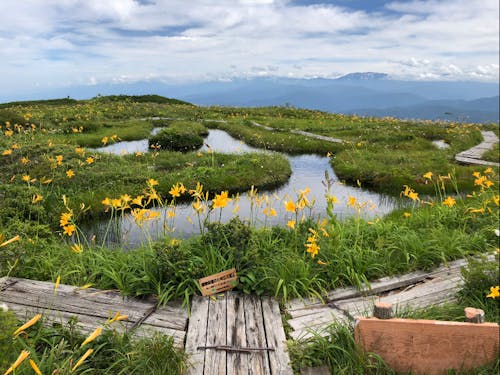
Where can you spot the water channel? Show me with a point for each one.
(308, 171)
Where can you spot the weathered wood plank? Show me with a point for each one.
(90, 308)
(438, 290)
(237, 362)
(299, 307)
(427, 346)
(87, 323)
(279, 361)
(259, 360)
(310, 325)
(69, 298)
(172, 315)
(215, 360)
(197, 335)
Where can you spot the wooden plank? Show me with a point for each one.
(87, 324)
(90, 308)
(427, 346)
(237, 362)
(279, 361)
(94, 302)
(197, 335)
(258, 360)
(215, 360)
(436, 291)
(299, 307)
(308, 326)
(172, 315)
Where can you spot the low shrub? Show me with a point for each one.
(180, 136)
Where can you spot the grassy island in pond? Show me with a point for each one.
(52, 180)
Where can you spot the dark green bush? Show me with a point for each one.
(180, 136)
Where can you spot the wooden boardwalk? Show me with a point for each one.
(236, 334)
(474, 154)
(91, 308)
(414, 290)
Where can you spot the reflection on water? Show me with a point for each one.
(128, 147)
(307, 171)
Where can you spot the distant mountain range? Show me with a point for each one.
(366, 94)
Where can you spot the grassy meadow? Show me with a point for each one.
(53, 181)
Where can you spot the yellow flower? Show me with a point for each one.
(7, 152)
(270, 212)
(138, 200)
(28, 324)
(36, 198)
(70, 173)
(290, 206)
(488, 171)
(170, 214)
(26, 178)
(92, 336)
(494, 292)
(59, 159)
(125, 198)
(152, 182)
(197, 206)
(13, 239)
(25, 160)
(428, 175)
(291, 224)
(450, 202)
(116, 318)
(312, 248)
(77, 248)
(24, 354)
(80, 150)
(221, 200)
(175, 191)
(496, 199)
(406, 215)
(83, 358)
(352, 201)
(35, 367)
(333, 199)
(65, 218)
(58, 281)
(104, 140)
(321, 263)
(89, 160)
(69, 229)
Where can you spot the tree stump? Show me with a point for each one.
(473, 315)
(382, 310)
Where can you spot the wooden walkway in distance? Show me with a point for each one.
(474, 154)
(91, 308)
(414, 290)
(236, 334)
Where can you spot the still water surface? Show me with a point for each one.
(308, 171)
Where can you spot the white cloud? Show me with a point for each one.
(73, 41)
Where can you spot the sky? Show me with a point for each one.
(64, 43)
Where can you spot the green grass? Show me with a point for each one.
(382, 154)
(57, 348)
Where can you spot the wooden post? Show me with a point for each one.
(473, 315)
(382, 310)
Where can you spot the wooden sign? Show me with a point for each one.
(219, 282)
(428, 347)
